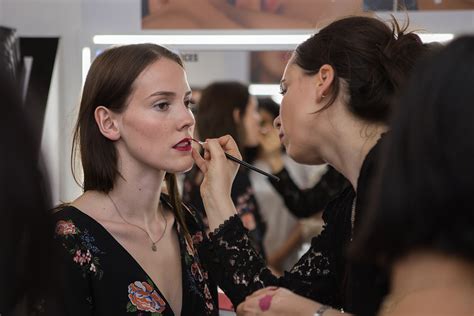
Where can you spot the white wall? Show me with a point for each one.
(54, 18)
(76, 21)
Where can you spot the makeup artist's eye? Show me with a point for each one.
(283, 89)
(162, 106)
(189, 104)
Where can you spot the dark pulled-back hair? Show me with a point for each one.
(372, 58)
(422, 198)
(215, 115)
(109, 83)
(270, 106)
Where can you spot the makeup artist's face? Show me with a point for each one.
(300, 129)
(157, 124)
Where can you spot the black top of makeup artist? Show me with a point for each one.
(324, 273)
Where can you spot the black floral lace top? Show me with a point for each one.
(101, 278)
(323, 274)
(245, 203)
(307, 202)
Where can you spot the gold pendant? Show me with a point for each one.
(153, 247)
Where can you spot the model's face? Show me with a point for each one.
(251, 121)
(300, 129)
(157, 124)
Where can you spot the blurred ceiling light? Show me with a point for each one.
(264, 89)
(230, 39)
(86, 63)
(203, 39)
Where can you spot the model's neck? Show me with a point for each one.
(138, 197)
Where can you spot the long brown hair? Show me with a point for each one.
(215, 114)
(109, 83)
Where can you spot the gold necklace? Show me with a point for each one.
(153, 243)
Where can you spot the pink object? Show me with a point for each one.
(224, 302)
(265, 303)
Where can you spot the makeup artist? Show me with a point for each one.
(337, 91)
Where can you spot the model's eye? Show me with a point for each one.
(190, 104)
(162, 106)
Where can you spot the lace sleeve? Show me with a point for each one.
(305, 203)
(240, 271)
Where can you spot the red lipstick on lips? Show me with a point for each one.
(183, 145)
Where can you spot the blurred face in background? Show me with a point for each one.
(251, 123)
(266, 123)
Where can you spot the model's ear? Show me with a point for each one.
(324, 81)
(107, 122)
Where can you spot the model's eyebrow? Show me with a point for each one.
(167, 94)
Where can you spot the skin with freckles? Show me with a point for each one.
(156, 119)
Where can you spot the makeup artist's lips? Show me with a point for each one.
(183, 145)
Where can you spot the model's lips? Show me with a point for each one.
(281, 135)
(183, 145)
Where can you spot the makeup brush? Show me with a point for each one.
(243, 163)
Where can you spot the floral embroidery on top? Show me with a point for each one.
(143, 297)
(198, 275)
(65, 228)
(83, 251)
(197, 238)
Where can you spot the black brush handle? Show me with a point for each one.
(246, 164)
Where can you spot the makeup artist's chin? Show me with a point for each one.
(303, 157)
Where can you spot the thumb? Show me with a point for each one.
(200, 162)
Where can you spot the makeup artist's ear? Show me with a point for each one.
(236, 116)
(107, 122)
(324, 81)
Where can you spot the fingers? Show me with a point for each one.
(241, 309)
(229, 145)
(200, 162)
(214, 149)
(217, 147)
(262, 292)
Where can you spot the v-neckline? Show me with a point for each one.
(120, 246)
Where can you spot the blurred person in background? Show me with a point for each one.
(285, 232)
(227, 108)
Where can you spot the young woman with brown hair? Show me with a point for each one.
(128, 248)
